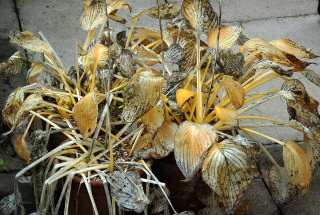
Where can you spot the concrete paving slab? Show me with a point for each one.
(8, 22)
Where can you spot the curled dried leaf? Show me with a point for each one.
(290, 47)
(94, 12)
(268, 64)
(183, 95)
(140, 95)
(230, 63)
(281, 188)
(85, 114)
(268, 50)
(191, 144)
(297, 166)
(159, 146)
(97, 56)
(154, 119)
(199, 14)
(12, 66)
(312, 76)
(125, 63)
(235, 92)
(167, 11)
(228, 36)
(225, 170)
(144, 53)
(226, 115)
(29, 42)
(158, 201)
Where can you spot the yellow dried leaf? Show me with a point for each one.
(228, 36)
(94, 12)
(144, 52)
(227, 115)
(140, 95)
(297, 166)
(268, 50)
(143, 33)
(235, 92)
(29, 42)
(290, 47)
(225, 170)
(191, 144)
(199, 14)
(153, 120)
(97, 56)
(21, 148)
(183, 95)
(85, 114)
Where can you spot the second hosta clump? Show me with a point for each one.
(194, 107)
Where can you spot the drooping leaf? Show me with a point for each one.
(235, 92)
(85, 114)
(158, 146)
(167, 11)
(297, 166)
(144, 52)
(268, 64)
(127, 190)
(140, 95)
(191, 144)
(268, 50)
(29, 42)
(228, 36)
(183, 95)
(299, 64)
(226, 171)
(290, 47)
(97, 56)
(174, 54)
(13, 66)
(154, 119)
(94, 12)
(199, 14)
(158, 201)
(226, 115)
(143, 33)
(281, 188)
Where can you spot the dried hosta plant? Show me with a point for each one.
(190, 107)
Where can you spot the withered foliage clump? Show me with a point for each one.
(176, 92)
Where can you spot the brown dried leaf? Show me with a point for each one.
(189, 59)
(297, 166)
(159, 146)
(154, 119)
(199, 14)
(140, 95)
(29, 42)
(312, 76)
(191, 144)
(167, 11)
(235, 92)
(127, 190)
(125, 63)
(268, 64)
(227, 115)
(281, 188)
(183, 95)
(299, 64)
(228, 36)
(97, 56)
(225, 170)
(290, 47)
(174, 54)
(230, 63)
(85, 114)
(12, 66)
(268, 50)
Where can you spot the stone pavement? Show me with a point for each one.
(273, 19)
